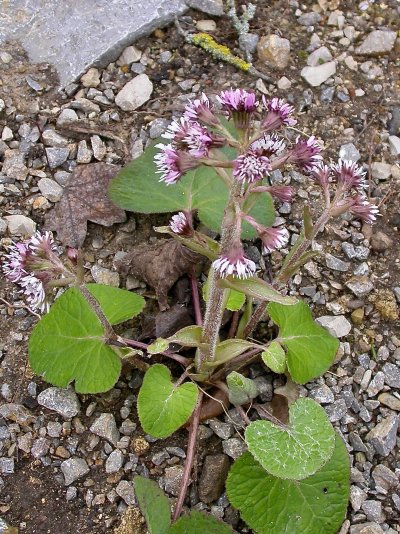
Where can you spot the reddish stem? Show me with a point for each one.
(234, 325)
(196, 300)
(139, 345)
(190, 452)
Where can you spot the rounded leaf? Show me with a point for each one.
(274, 357)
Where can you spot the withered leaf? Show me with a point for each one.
(159, 265)
(85, 198)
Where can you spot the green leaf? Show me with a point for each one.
(270, 505)
(198, 523)
(118, 305)
(137, 188)
(230, 348)
(235, 300)
(275, 358)
(255, 287)
(242, 390)
(310, 348)
(68, 344)
(190, 336)
(295, 451)
(154, 505)
(158, 346)
(163, 407)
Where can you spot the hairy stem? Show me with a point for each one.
(190, 453)
(196, 300)
(139, 345)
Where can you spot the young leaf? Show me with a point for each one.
(296, 451)
(68, 344)
(163, 407)
(118, 305)
(154, 505)
(190, 336)
(255, 287)
(242, 390)
(235, 300)
(230, 348)
(310, 348)
(275, 358)
(271, 505)
(198, 523)
(158, 346)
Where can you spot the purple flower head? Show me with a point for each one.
(34, 291)
(364, 210)
(172, 163)
(200, 110)
(251, 166)
(190, 136)
(274, 239)
(14, 265)
(305, 153)
(320, 174)
(234, 263)
(269, 145)
(240, 105)
(283, 193)
(349, 175)
(278, 114)
(181, 225)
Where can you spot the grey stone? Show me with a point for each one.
(40, 447)
(160, 457)
(14, 165)
(390, 401)
(74, 468)
(234, 447)
(373, 511)
(356, 442)
(56, 156)
(63, 401)
(336, 410)
(106, 427)
(62, 177)
(211, 7)
(54, 429)
(317, 75)
(381, 170)
(7, 134)
(222, 430)
(248, 42)
(66, 117)
(320, 55)
(213, 476)
(322, 394)
(114, 461)
(376, 43)
(173, 479)
(20, 225)
(394, 145)
(6, 466)
(71, 493)
(380, 242)
(336, 263)
(366, 528)
(360, 286)
(85, 105)
(349, 152)
(357, 497)
(50, 189)
(126, 491)
(52, 138)
(376, 384)
(91, 78)
(394, 122)
(274, 50)
(327, 95)
(98, 147)
(102, 275)
(84, 154)
(309, 19)
(384, 477)
(88, 33)
(337, 325)
(392, 375)
(383, 435)
(135, 93)
(25, 442)
(130, 55)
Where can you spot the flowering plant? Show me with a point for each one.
(219, 165)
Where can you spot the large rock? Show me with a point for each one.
(134, 93)
(376, 43)
(87, 33)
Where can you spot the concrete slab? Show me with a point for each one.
(76, 34)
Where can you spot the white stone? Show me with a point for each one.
(315, 76)
(321, 55)
(66, 117)
(338, 325)
(381, 170)
(20, 225)
(130, 55)
(394, 144)
(7, 134)
(351, 63)
(135, 93)
(377, 42)
(208, 25)
(63, 401)
(284, 83)
(50, 189)
(91, 78)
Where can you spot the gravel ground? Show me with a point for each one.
(70, 459)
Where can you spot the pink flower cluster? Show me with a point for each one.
(29, 264)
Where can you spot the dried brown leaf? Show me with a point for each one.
(159, 265)
(84, 199)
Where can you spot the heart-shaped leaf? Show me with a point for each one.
(118, 305)
(163, 407)
(137, 188)
(295, 451)
(274, 357)
(235, 300)
(241, 389)
(255, 287)
(154, 505)
(198, 523)
(310, 348)
(270, 505)
(68, 344)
